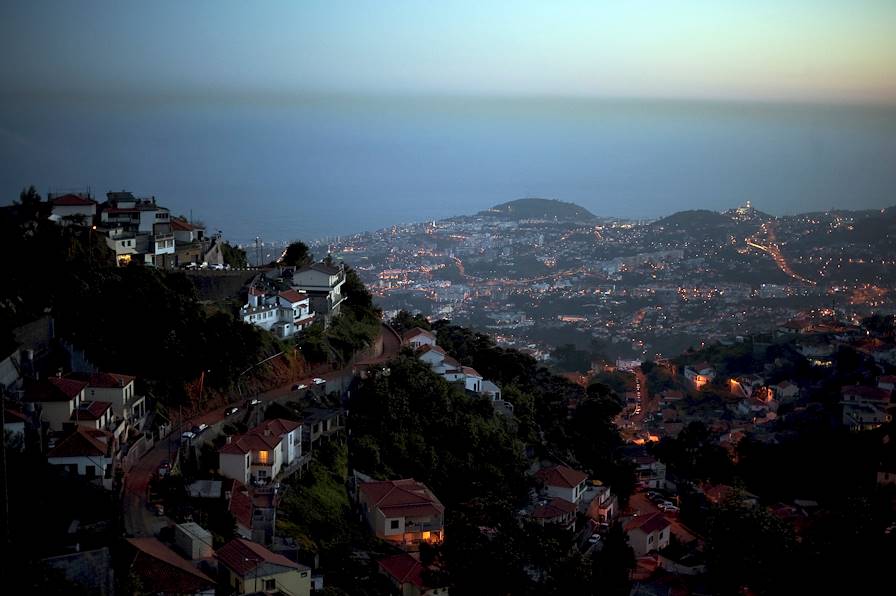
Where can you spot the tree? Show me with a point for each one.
(233, 256)
(612, 566)
(405, 321)
(296, 255)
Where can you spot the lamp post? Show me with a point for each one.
(254, 571)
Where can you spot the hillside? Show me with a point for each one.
(539, 209)
(699, 218)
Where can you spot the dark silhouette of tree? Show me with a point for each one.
(296, 255)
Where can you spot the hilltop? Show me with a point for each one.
(539, 209)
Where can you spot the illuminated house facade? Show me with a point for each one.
(699, 374)
(404, 512)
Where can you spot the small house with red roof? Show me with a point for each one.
(85, 452)
(163, 571)
(261, 453)
(405, 571)
(284, 314)
(246, 567)
(648, 533)
(117, 389)
(699, 374)
(556, 511)
(404, 512)
(432, 355)
(418, 337)
(72, 207)
(56, 398)
(563, 482)
(472, 379)
(94, 414)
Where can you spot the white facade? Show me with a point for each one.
(235, 466)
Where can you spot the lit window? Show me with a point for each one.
(263, 457)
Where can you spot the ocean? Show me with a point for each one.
(312, 167)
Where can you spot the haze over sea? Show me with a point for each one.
(314, 166)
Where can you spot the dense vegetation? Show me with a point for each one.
(540, 209)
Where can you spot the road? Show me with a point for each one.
(138, 519)
(775, 252)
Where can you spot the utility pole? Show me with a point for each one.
(258, 251)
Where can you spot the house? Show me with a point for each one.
(56, 398)
(85, 452)
(405, 571)
(699, 374)
(648, 533)
(283, 314)
(865, 395)
(247, 567)
(858, 416)
(322, 423)
(262, 452)
(403, 512)
(670, 397)
(472, 379)
(72, 207)
(323, 284)
(490, 390)
(432, 355)
(193, 541)
(563, 482)
(165, 572)
(556, 511)
(785, 390)
(93, 414)
(186, 232)
(125, 244)
(603, 505)
(650, 471)
(117, 389)
(417, 338)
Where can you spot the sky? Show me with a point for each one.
(793, 50)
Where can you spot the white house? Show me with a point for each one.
(56, 398)
(94, 414)
(417, 338)
(432, 355)
(117, 389)
(323, 284)
(85, 452)
(262, 452)
(563, 482)
(648, 533)
(472, 379)
(73, 206)
(283, 314)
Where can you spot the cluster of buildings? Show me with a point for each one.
(138, 229)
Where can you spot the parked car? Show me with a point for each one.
(231, 410)
(594, 538)
(299, 387)
(668, 508)
(655, 496)
(216, 266)
(187, 436)
(318, 381)
(254, 401)
(199, 429)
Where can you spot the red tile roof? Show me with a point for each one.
(470, 371)
(71, 200)
(102, 380)
(277, 427)
(648, 523)
(246, 443)
(887, 379)
(404, 569)
(401, 498)
(53, 389)
(561, 476)
(166, 571)
(91, 410)
(293, 296)
(240, 504)
(81, 443)
(556, 507)
(243, 557)
(416, 332)
(182, 225)
(431, 348)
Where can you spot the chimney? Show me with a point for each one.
(228, 439)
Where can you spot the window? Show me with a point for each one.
(270, 584)
(650, 539)
(393, 524)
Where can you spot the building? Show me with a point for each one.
(85, 452)
(403, 512)
(247, 567)
(56, 399)
(648, 533)
(163, 571)
(323, 284)
(417, 338)
(283, 314)
(117, 389)
(72, 207)
(405, 571)
(193, 541)
(699, 374)
(263, 452)
(563, 482)
(556, 511)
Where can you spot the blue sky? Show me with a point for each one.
(815, 50)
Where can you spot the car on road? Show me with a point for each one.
(231, 410)
(299, 387)
(594, 538)
(318, 381)
(199, 429)
(164, 468)
(655, 496)
(668, 508)
(254, 402)
(216, 266)
(187, 435)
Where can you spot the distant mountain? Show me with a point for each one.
(539, 209)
